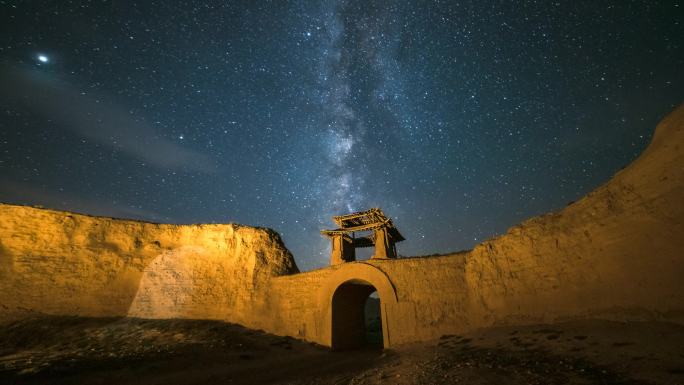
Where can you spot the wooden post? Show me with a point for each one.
(342, 249)
(384, 247)
(336, 252)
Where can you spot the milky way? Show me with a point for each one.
(458, 119)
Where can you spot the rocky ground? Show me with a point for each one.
(69, 350)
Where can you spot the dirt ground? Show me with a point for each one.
(69, 350)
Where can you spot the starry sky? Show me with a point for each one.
(458, 118)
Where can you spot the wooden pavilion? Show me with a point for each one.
(344, 240)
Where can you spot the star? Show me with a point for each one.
(341, 106)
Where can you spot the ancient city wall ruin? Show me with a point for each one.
(617, 253)
(64, 263)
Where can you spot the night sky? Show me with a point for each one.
(458, 119)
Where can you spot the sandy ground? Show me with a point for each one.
(69, 350)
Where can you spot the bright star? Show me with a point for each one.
(181, 137)
(43, 58)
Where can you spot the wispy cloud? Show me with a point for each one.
(14, 192)
(97, 119)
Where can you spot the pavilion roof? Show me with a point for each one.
(362, 221)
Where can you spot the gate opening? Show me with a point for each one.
(356, 316)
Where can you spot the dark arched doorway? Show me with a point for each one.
(356, 316)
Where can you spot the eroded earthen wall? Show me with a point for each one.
(617, 253)
(62, 263)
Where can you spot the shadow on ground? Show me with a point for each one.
(71, 350)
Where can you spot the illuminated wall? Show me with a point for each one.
(617, 253)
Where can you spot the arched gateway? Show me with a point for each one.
(344, 296)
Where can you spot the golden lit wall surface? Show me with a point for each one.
(617, 253)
